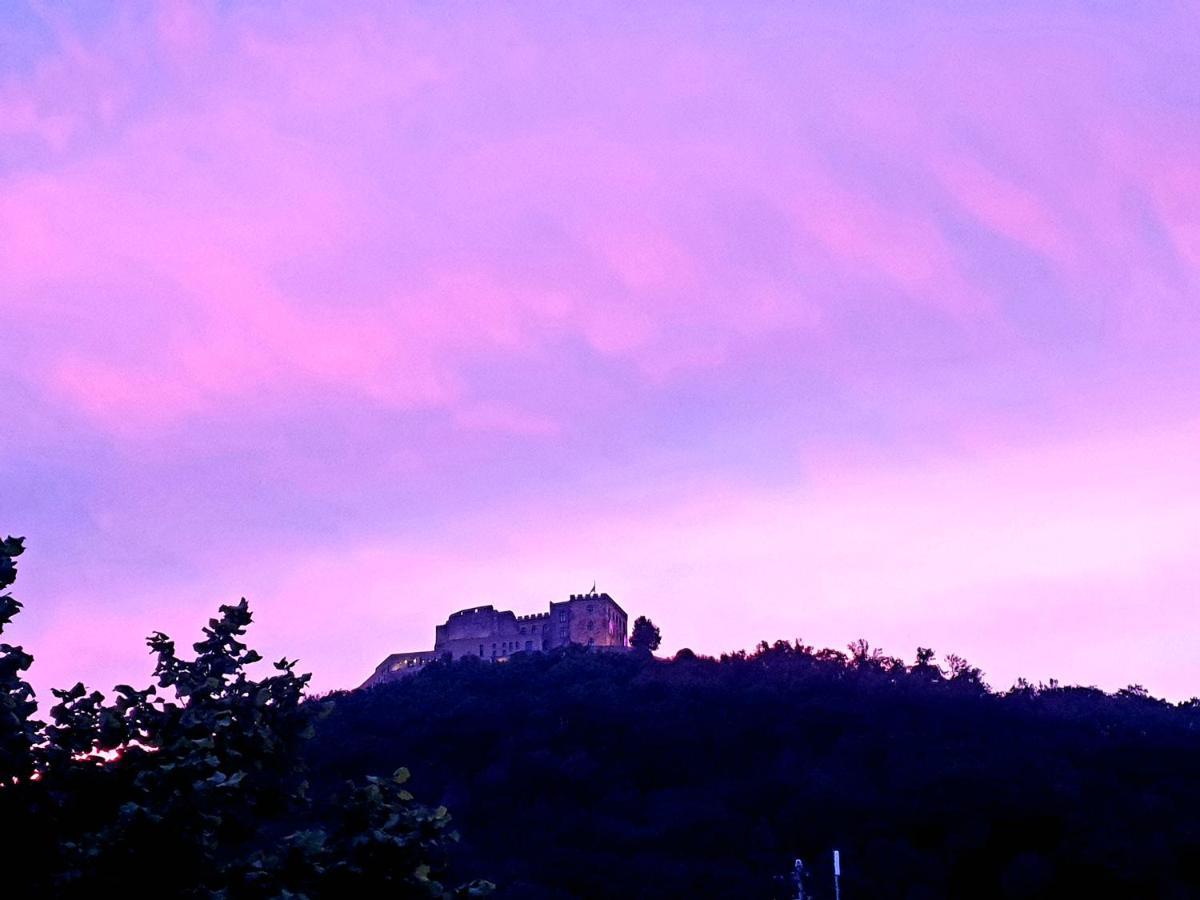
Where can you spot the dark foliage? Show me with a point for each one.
(196, 787)
(645, 635)
(577, 774)
(18, 732)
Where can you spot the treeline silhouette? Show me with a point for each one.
(591, 775)
(598, 775)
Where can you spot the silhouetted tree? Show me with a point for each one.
(645, 636)
(925, 668)
(198, 787)
(963, 674)
(18, 730)
(24, 807)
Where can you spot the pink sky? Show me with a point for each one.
(775, 321)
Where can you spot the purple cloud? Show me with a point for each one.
(778, 321)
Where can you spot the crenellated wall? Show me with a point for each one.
(591, 620)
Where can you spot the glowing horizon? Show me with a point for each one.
(776, 322)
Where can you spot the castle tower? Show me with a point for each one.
(592, 620)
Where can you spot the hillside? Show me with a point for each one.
(593, 775)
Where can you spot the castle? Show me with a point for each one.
(590, 620)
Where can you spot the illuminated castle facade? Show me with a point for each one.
(589, 620)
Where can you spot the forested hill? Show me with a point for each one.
(580, 774)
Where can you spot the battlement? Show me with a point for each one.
(475, 610)
(591, 619)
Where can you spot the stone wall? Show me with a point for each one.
(592, 620)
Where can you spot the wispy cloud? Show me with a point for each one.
(271, 272)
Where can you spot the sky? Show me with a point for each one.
(774, 320)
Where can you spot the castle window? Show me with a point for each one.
(591, 626)
(590, 608)
(529, 645)
(562, 615)
(522, 629)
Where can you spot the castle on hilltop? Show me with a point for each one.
(589, 620)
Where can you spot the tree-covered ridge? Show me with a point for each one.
(577, 774)
(196, 786)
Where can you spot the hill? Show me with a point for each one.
(576, 774)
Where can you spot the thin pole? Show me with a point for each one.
(837, 875)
